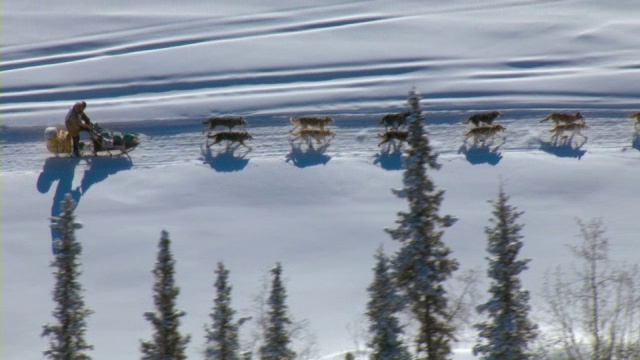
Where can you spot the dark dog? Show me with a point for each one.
(485, 117)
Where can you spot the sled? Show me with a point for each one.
(102, 140)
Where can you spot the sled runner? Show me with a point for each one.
(102, 140)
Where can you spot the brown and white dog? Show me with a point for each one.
(485, 117)
(231, 136)
(636, 117)
(229, 121)
(317, 134)
(558, 118)
(304, 122)
(573, 128)
(393, 135)
(484, 132)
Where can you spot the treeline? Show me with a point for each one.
(66, 335)
(593, 309)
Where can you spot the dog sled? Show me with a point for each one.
(102, 140)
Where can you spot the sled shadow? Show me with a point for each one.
(481, 153)
(310, 156)
(389, 160)
(101, 167)
(62, 170)
(226, 160)
(564, 147)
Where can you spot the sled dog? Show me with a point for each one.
(231, 136)
(636, 117)
(485, 117)
(317, 134)
(558, 118)
(394, 120)
(574, 128)
(229, 121)
(313, 121)
(393, 134)
(484, 132)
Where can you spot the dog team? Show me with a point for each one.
(566, 126)
(231, 136)
(392, 124)
(310, 128)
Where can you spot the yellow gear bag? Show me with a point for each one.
(58, 141)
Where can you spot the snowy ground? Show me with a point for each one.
(161, 71)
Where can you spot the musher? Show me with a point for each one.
(74, 123)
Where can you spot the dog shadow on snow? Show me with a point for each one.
(307, 155)
(565, 147)
(63, 170)
(481, 152)
(389, 159)
(228, 160)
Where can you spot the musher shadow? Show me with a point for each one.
(310, 156)
(62, 170)
(564, 147)
(226, 160)
(481, 153)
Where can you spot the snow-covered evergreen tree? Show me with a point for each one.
(276, 336)
(382, 309)
(222, 336)
(66, 336)
(508, 333)
(423, 263)
(167, 342)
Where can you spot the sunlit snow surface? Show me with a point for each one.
(321, 211)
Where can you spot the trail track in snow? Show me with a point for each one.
(164, 143)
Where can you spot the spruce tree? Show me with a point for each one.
(277, 333)
(66, 336)
(167, 342)
(222, 336)
(382, 308)
(423, 263)
(508, 332)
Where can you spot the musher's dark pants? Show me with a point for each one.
(76, 142)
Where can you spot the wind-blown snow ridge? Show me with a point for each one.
(323, 58)
(105, 49)
(252, 81)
